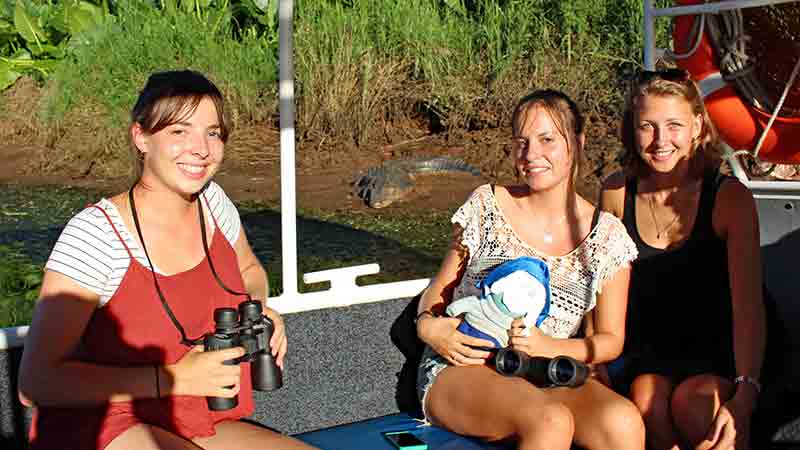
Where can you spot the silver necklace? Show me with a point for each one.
(547, 235)
(655, 221)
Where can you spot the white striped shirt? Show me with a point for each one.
(89, 251)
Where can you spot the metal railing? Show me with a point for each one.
(343, 291)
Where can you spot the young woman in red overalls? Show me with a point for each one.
(112, 359)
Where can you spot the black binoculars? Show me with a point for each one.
(246, 327)
(541, 371)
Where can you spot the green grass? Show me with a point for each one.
(457, 61)
(110, 69)
(405, 245)
(20, 280)
(31, 218)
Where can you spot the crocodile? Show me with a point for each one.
(393, 180)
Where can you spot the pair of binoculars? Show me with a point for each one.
(245, 326)
(561, 371)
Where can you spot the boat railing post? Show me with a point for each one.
(649, 28)
(288, 183)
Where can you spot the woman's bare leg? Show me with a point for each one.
(695, 403)
(236, 435)
(148, 437)
(477, 401)
(604, 420)
(651, 394)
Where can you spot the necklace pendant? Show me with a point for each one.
(547, 237)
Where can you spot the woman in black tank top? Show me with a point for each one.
(698, 273)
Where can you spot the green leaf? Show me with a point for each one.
(45, 66)
(83, 16)
(8, 76)
(262, 4)
(23, 62)
(58, 20)
(272, 11)
(26, 26)
(47, 49)
(76, 16)
(7, 32)
(21, 55)
(6, 26)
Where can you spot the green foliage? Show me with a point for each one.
(20, 280)
(456, 51)
(111, 70)
(36, 35)
(359, 64)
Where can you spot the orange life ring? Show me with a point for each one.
(739, 124)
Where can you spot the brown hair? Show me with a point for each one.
(663, 83)
(564, 113)
(171, 97)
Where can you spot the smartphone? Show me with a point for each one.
(405, 440)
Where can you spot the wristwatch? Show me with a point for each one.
(749, 380)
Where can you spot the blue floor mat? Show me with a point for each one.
(366, 435)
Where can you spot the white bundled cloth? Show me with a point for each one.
(518, 288)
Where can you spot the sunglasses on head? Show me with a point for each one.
(674, 75)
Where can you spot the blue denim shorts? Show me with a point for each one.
(430, 366)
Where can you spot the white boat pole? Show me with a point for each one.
(288, 191)
(649, 29)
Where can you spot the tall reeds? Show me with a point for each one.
(361, 65)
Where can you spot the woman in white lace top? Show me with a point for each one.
(588, 254)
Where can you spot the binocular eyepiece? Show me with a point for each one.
(541, 371)
(245, 327)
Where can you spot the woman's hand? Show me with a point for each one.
(442, 335)
(730, 428)
(203, 374)
(528, 340)
(278, 343)
(600, 373)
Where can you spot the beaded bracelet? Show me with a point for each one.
(749, 380)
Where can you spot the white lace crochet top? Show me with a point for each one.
(575, 278)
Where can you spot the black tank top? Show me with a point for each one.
(679, 302)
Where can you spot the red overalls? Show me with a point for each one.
(133, 329)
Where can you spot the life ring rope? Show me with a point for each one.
(698, 39)
(774, 115)
(730, 40)
(731, 73)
